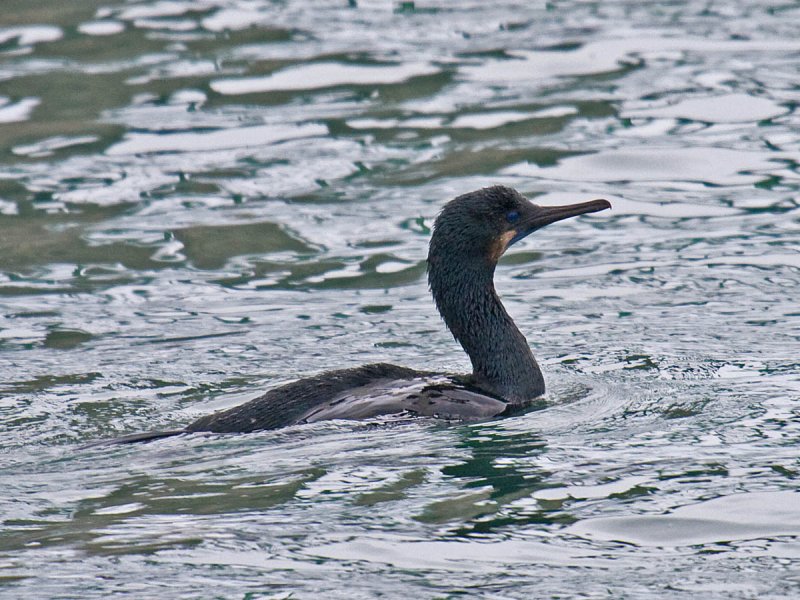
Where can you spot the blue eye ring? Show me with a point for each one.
(512, 216)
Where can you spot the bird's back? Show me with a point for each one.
(359, 393)
(286, 404)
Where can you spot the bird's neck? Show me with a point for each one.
(502, 361)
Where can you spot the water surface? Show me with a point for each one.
(202, 200)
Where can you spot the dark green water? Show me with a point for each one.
(201, 200)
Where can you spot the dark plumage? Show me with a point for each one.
(470, 235)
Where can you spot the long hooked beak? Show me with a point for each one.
(541, 216)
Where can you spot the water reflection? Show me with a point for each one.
(201, 200)
(755, 515)
(498, 468)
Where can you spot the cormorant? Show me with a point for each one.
(469, 236)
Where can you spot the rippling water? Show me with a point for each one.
(200, 200)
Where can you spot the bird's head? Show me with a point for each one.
(478, 227)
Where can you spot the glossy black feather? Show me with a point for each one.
(288, 404)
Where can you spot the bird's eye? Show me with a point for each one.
(512, 216)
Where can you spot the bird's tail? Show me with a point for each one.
(136, 438)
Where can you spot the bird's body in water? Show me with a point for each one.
(470, 235)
